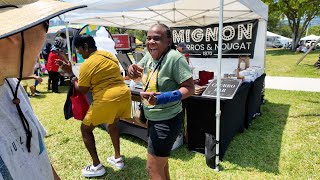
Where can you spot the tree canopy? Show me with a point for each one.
(299, 13)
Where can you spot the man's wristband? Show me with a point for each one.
(166, 97)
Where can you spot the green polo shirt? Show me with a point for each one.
(174, 70)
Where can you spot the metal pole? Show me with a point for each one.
(218, 112)
(68, 41)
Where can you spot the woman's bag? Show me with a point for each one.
(67, 108)
(142, 117)
(80, 104)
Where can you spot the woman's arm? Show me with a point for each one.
(187, 88)
(81, 89)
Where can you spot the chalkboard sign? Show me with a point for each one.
(228, 88)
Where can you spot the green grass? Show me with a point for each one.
(282, 62)
(283, 143)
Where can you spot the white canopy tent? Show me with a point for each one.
(310, 37)
(181, 13)
(135, 14)
(284, 40)
(174, 14)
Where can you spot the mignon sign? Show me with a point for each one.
(238, 39)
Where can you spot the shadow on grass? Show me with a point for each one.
(134, 169)
(259, 146)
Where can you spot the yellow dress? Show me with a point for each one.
(111, 96)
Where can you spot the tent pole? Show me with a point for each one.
(68, 41)
(218, 112)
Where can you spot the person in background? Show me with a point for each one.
(23, 154)
(30, 82)
(169, 80)
(52, 66)
(181, 47)
(45, 52)
(36, 72)
(100, 74)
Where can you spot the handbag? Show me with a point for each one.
(210, 150)
(80, 104)
(142, 117)
(67, 108)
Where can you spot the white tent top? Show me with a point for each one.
(271, 34)
(54, 29)
(119, 13)
(311, 37)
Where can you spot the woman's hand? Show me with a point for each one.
(135, 71)
(149, 97)
(65, 66)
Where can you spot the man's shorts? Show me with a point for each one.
(163, 134)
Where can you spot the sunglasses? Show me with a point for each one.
(46, 25)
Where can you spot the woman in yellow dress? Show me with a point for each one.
(100, 74)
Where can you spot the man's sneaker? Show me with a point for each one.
(118, 163)
(93, 171)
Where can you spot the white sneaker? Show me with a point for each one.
(93, 171)
(118, 163)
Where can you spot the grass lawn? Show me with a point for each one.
(282, 62)
(284, 143)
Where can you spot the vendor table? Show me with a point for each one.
(201, 118)
(200, 110)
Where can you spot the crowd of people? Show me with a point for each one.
(99, 76)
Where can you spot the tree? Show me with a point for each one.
(314, 30)
(299, 14)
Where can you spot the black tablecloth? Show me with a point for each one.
(236, 114)
(201, 119)
(254, 100)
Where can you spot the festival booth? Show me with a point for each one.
(234, 50)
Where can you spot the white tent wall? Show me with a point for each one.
(228, 65)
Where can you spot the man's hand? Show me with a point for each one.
(135, 71)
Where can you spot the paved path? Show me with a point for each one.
(292, 83)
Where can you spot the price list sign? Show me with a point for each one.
(228, 88)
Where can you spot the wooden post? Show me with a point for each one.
(305, 54)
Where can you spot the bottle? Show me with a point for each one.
(132, 84)
(242, 65)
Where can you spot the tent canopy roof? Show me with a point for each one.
(137, 14)
(311, 37)
(277, 35)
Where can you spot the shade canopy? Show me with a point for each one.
(137, 14)
(311, 37)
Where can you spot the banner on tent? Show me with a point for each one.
(238, 39)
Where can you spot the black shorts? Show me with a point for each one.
(163, 134)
